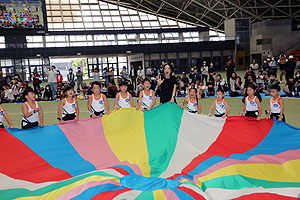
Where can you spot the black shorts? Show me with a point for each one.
(219, 115)
(2, 125)
(27, 124)
(277, 115)
(253, 114)
(68, 117)
(101, 113)
(193, 111)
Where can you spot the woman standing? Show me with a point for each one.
(96, 75)
(140, 73)
(167, 85)
(59, 79)
(71, 78)
(36, 80)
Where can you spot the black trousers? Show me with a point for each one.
(101, 113)
(253, 114)
(133, 81)
(228, 80)
(68, 117)
(26, 124)
(277, 115)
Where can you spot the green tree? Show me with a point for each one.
(82, 64)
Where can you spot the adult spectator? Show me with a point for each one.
(48, 94)
(233, 79)
(161, 69)
(18, 78)
(204, 72)
(148, 72)
(140, 73)
(52, 79)
(8, 78)
(273, 65)
(79, 78)
(296, 89)
(167, 85)
(229, 67)
(249, 81)
(281, 62)
(112, 90)
(195, 75)
(15, 86)
(269, 83)
(104, 89)
(132, 75)
(185, 79)
(124, 73)
(59, 80)
(9, 96)
(139, 87)
(221, 83)
(249, 72)
(290, 66)
(36, 80)
(254, 66)
(211, 71)
(111, 75)
(298, 64)
(70, 78)
(265, 66)
(211, 87)
(297, 75)
(96, 75)
(2, 79)
(84, 89)
(237, 88)
(288, 87)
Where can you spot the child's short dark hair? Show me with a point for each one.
(193, 88)
(95, 83)
(146, 79)
(220, 90)
(123, 83)
(67, 88)
(28, 90)
(252, 86)
(275, 87)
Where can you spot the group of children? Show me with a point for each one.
(69, 110)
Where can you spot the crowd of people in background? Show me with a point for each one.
(204, 78)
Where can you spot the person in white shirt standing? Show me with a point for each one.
(140, 73)
(52, 79)
(204, 71)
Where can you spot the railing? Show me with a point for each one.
(94, 42)
(292, 47)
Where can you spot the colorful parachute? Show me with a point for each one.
(165, 153)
